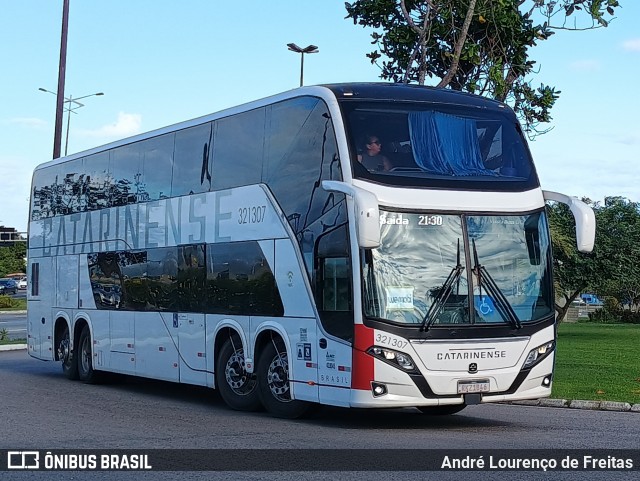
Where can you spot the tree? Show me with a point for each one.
(612, 268)
(478, 46)
(12, 258)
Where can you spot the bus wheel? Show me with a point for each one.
(85, 361)
(442, 410)
(273, 383)
(65, 354)
(237, 387)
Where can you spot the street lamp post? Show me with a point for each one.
(310, 49)
(71, 105)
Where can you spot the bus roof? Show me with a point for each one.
(411, 93)
(374, 91)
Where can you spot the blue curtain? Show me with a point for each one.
(445, 144)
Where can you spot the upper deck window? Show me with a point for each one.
(437, 145)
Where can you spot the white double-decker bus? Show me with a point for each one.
(265, 252)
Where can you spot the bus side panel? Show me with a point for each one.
(101, 339)
(191, 343)
(67, 281)
(155, 350)
(122, 349)
(40, 297)
(334, 373)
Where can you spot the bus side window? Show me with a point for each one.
(35, 279)
(334, 295)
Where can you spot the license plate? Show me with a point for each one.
(465, 387)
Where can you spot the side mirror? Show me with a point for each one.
(367, 213)
(583, 215)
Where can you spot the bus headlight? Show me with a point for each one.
(395, 358)
(538, 354)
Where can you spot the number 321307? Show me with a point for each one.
(251, 215)
(390, 341)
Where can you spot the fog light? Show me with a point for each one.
(378, 389)
(546, 382)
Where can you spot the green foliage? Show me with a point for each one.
(12, 258)
(4, 335)
(13, 303)
(479, 46)
(611, 270)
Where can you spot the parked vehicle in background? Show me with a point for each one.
(591, 300)
(22, 283)
(8, 286)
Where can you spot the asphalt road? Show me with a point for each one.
(43, 410)
(15, 324)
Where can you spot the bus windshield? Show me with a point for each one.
(434, 269)
(437, 145)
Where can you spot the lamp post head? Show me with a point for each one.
(309, 49)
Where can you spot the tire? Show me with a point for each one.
(273, 383)
(66, 355)
(238, 389)
(442, 410)
(85, 357)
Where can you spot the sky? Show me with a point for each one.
(159, 62)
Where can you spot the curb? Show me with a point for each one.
(577, 404)
(12, 347)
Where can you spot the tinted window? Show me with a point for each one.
(100, 185)
(161, 279)
(192, 172)
(240, 281)
(106, 280)
(238, 149)
(157, 158)
(125, 171)
(133, 265)
(302, 152)
(191, 276)
(332, 286)
(47, 187)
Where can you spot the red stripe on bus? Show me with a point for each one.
(362, 371)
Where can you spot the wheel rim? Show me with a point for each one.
(64, 352)
(278, 378)
(85, 355)
(240, 382)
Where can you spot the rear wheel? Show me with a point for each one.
(85, 359)
(65, 354)
(442, 410)
(273, 383)
(238, 388)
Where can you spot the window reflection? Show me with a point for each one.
(421, 271)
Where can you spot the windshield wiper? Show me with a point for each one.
(445, 292)
(502, 303)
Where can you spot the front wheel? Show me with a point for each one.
(85, 359)
(238, 388)
(442, 410)
(273, 383)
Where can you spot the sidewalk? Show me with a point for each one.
(545, 402)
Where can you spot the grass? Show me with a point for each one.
(598, 362)
(5, 342)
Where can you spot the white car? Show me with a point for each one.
(22, 283)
